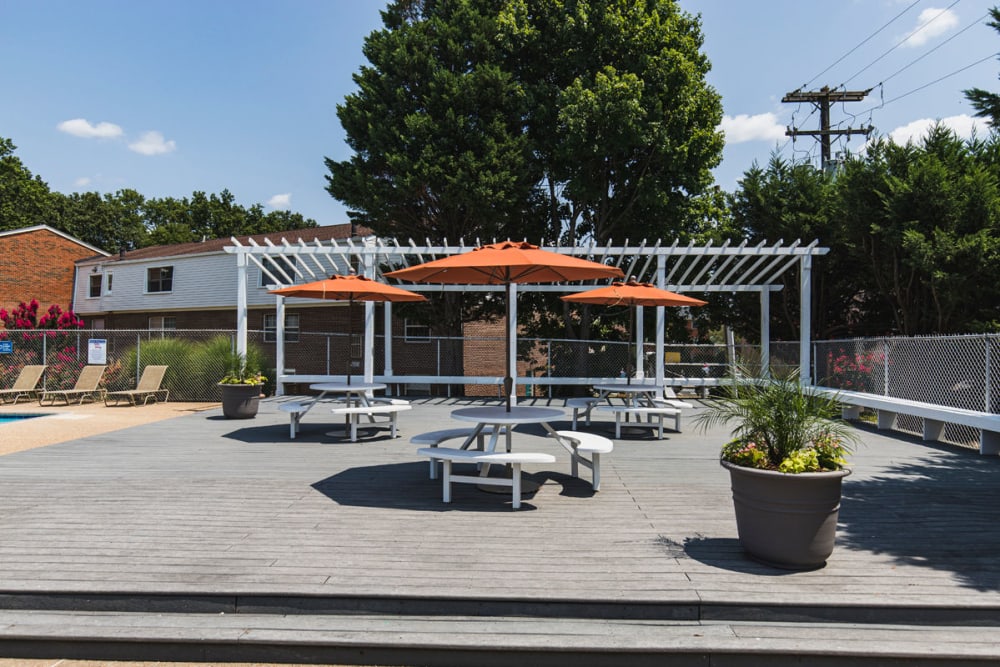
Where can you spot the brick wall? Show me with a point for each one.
(38, 264)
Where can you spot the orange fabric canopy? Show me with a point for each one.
(633, 293)
(349, 288)
(503, 263)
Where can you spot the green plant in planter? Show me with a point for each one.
(779, 424)
(242, 369)
(786, 459)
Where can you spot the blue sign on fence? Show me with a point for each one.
(6, 347)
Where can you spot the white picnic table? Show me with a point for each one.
(641, 400)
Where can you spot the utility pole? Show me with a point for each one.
(823, 98)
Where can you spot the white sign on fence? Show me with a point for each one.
(97, 351)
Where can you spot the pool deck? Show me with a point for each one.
(201, 538)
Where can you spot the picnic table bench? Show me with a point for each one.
(435, 438)
(353, 413)
(650, 413)
(449, 455)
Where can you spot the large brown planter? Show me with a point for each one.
(786, 520)
(240, 401)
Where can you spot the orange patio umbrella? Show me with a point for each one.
(632, 293)
(349, 288)
(505, 264)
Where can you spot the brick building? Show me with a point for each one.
(39, 263)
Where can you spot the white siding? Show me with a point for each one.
(200, 282)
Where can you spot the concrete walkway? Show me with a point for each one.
(200, 538)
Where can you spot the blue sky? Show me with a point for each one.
(172, 96)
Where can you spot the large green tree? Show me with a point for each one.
(437, 128)
(913, 232)
(546, 119)
(924, 220)
(621, 120)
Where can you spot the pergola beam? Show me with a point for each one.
(680, 268)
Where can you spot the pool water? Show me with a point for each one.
(5, 419)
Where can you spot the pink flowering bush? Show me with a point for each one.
(25, 316)
(852, 371)
(63, 359)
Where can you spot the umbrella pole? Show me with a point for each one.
(629, 333)
(508, 380)
(350, 336)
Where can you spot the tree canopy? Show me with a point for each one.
(126, 219)
(549, 119)
(914, 233)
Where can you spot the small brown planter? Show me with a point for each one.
(786, 520)
(240, 401)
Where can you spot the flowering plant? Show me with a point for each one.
(852, 371)
(779, 424)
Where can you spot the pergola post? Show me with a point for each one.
(241, 303)
(279, 346)
(368, 351)
(765, 333)
(640, 357)
(661, 320)
(512, 340)
(805, 318)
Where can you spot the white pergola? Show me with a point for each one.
(675, 267)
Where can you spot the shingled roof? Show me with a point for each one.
(308, 234)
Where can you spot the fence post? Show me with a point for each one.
(885, 368)
(987, 372)
(138, 354)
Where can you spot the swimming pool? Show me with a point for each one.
(6, 419)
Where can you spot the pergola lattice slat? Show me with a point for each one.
(678, 268)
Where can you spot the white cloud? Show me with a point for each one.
(80, 127)
(963, 125)
(935, 22)
(282, 201)
(761, 127)
(152, 143)
(82, 182)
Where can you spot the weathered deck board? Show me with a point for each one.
(202, 505)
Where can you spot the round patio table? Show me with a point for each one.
(500, 418)
(355, 393)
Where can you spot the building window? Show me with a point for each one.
(160, 279)
(162, 323)
(95, 285)
(291, 328)
(416, 333)
(276, 265)
(107, 283)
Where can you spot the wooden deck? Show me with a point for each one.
(206, 515)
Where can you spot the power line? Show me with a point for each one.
(900, 42)
(938, 80)
(916, 60)
(862, 43)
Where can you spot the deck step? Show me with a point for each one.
(448, 640)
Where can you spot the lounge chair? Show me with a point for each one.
(86, 387)
(25, 385)
(147, 389)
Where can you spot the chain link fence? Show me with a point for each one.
(954, 371)
(196, 359)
